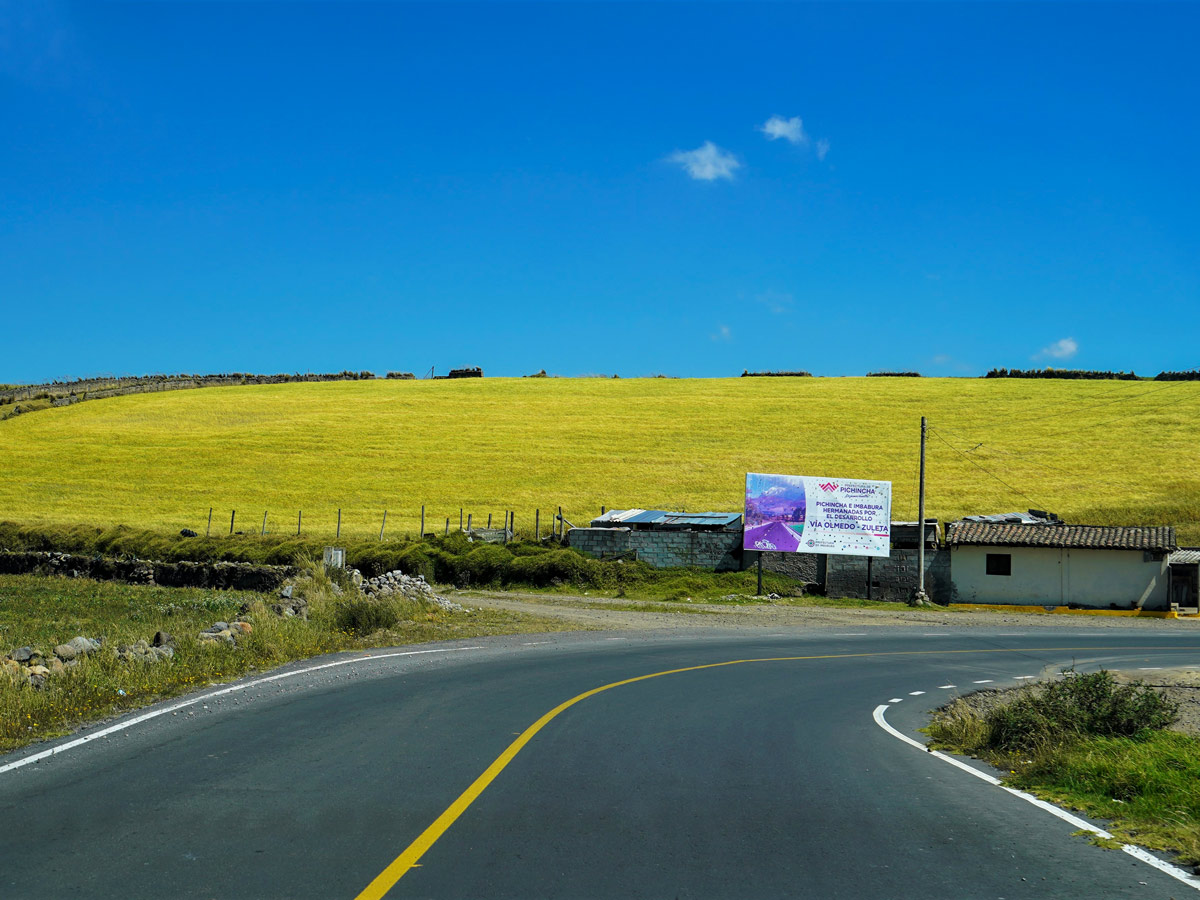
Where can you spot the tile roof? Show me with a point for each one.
(1092, 537)
(1185, 555)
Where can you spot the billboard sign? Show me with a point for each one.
(802, 514)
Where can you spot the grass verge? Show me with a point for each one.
(1089, 744)
(42, 612)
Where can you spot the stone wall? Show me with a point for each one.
(717, 550)
(220, 575)
(892, 578)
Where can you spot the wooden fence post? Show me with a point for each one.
(489, 521)
(422, 521)
(447, 526)
(384, 525)
(468, 523)
(299, 516)
(537, 524)
(460, 518)
(208, 530)
(232, 513)
(339, 528)
(264, 528)
(562, 528)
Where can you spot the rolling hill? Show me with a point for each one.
(1099, 452)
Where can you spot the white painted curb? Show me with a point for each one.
(1137, 852)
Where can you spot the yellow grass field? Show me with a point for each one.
(1098, 452)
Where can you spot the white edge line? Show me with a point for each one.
(1137, 852)
(175, 707)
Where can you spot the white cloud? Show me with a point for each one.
(708, 162)
(791, 130)
(777, 302)
(723, 334)
(1064, 349)
(822, 149)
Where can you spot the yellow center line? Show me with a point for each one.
(387, 879)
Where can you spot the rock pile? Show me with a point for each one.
(408, 586)
(224, 633)
(161, 647)
(289, 605)
(33, 667)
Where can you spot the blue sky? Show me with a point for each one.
(691, 189)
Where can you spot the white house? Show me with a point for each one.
(1086, 566)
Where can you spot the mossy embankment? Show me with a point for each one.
(1090, 743)
(450, 559)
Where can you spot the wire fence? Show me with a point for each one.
(335, 523)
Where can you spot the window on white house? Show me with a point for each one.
(999, 563)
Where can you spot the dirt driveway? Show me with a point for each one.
(600, 612)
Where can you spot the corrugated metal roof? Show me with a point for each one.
(1095, 537)
(1012, 518)
(705, 518)
(665, 518)
(1186, 555)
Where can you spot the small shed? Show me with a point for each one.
(1082, 566)
(905, 535)
(709, 540)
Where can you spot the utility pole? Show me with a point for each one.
(920, 598)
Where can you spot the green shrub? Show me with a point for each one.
(1077, 706)
(486, 565)
(417, 560)
(362, 616)
(553, 568)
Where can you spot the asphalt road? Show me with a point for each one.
(759, 779)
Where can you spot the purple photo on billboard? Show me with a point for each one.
(775, 510)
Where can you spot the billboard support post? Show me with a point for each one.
(920, 598)
(759, 574)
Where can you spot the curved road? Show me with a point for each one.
(763, 778)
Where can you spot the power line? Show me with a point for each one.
(1029, 460)
(982, 469)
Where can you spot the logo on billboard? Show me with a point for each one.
(828, 486)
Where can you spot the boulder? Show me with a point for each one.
(162, 639)
(187, 532)
(83, 646)
(23, 654)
